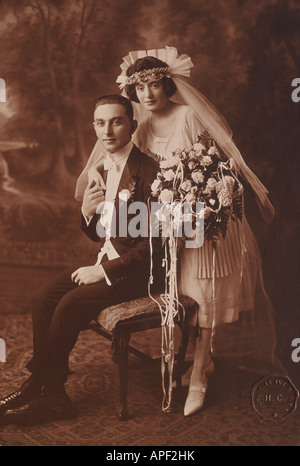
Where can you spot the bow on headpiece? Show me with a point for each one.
(178, 65)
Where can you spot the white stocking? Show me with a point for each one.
(202, 361)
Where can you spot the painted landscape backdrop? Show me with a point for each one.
(58, 56)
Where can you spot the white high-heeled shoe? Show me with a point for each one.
(196, 394)
(195, 400)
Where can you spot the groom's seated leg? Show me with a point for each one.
(74, 311)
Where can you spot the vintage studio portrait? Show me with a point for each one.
(148, 224)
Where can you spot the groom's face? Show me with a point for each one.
(113, 126)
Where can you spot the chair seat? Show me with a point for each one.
(140, 307)
(118, 322)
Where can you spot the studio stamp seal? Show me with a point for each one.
(274, 397)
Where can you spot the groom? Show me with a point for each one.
(65, 306)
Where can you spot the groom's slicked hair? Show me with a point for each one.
(148, 63)
(116, 99)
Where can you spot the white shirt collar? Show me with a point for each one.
(119, 157)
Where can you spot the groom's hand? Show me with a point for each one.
(88, 275)
(93, 195)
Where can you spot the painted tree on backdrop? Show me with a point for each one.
(56, 57)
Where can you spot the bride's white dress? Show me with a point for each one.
(230, 278)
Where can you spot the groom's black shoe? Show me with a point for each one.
(29, 389)
(42, 408)
(10, 401)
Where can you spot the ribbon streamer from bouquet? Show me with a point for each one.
(170, 304)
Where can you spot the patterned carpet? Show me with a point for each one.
(227, 419)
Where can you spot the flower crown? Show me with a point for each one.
(178, 65)
(145, 75)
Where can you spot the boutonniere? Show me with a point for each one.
(125, 195)
(128, 193)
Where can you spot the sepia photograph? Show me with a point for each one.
(149, 205)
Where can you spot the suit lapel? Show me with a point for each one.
(128, 178)
(127, 182)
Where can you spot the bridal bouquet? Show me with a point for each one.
(200, 175)
(204, 180)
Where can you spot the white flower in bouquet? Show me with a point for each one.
(205, 160)
(229, 182)
(169, 163)
(186, 185)
(225, 198)
(198, 147)
(191, 165)
(190, 197)
(169, 175)
(192, 153)
(197, 176)
(212, 150)
(166, 195)
(156, 185)
(210, 185)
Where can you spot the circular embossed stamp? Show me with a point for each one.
(274, 397)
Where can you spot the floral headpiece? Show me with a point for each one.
(178, 65)
(154, 74)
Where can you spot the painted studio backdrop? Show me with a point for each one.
(58, 56)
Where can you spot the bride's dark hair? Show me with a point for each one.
(147, 63)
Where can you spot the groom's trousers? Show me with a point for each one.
(61, 309)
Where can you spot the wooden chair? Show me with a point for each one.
(118, 322)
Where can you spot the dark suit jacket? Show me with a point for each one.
(134, 261)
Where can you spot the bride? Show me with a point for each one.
(171, 115)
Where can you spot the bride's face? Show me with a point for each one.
(151, 95)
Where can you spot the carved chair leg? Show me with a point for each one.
(123, 375)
